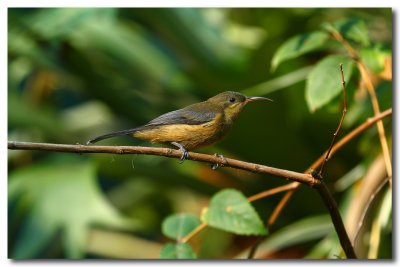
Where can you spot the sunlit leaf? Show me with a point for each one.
(229, 210)
(179, 225)
(60, 197)
(325, 81)
(177, 251)
(299, 45)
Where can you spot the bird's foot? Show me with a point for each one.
(185, 154)
(214, 166)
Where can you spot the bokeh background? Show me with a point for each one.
(76, 73)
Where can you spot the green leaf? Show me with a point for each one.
(177, 251)
(179, 225)
(229, 210)
(351, 29)
(59, 198)
(299, 45)
(374, 58)
(325, 81)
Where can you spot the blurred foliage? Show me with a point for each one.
(76, 73)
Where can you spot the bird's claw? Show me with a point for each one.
(185, 155)
(216, 165)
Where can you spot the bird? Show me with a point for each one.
(195, 126)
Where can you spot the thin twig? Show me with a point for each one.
(367, 206)
(278, 209)
(371, 90)
(194, 232)
(360, 129)
(270, 192)
(340, 123)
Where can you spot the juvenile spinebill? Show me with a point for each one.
(195, 126)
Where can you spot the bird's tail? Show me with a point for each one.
(123, 132)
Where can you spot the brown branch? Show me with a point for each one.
(370, 122)
(278, 209)
(337, 220)
(367, 124)
(340, 123)
(252, 167)
(167, 152)
(272, 191)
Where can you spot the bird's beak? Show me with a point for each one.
(253, 98)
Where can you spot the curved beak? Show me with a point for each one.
(253, 98)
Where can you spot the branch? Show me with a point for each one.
(337, 220)
(366, 125)
(167, 152)
(371, 90)
(272, 191)
(340, 124)
(278, 209)
(381, 129)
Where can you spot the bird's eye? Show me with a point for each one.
(232, 99)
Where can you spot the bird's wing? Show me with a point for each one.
(184, 116)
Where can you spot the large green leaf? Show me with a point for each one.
(59, 198)
(229, 210)
(177, 251)
(325, 81)
(299, 45)
(179, 225)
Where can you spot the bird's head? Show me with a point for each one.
(233, 102)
